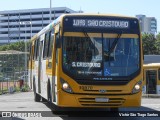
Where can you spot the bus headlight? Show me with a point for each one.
(137, 87)
(66, 87)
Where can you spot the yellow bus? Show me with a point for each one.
(151, 81)
(88, 61)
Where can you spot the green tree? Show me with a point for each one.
(19, 46)
(158, 43)
(149, 44)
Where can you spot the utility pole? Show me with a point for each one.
(25, 41)
(50, 11)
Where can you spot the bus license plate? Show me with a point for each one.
(101, 99)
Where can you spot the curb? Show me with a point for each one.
(151, 96)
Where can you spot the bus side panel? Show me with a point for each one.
(35, 75)
(44, 80)
(30, 78)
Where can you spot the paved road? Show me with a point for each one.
(21, 102)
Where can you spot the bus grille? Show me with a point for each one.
(115, 102)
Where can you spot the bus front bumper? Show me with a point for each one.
(98, 101)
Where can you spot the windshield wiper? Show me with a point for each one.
(113, 45)
(86, 35)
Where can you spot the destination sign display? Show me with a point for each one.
(100, 23)
(106, 24)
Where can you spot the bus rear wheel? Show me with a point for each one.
(37, 98)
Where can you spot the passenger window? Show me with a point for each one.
(51, 42)
(57, 40)
(37, 49)
(32, 52)
(46, 45)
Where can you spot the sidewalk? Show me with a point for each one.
(151, 95)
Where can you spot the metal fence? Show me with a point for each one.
(6, 86)
(13, 70)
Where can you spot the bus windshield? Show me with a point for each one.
(102, 55)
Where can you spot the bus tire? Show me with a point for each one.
(49, 96)
(44, 100)
(37, 97)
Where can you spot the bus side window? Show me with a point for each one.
(51, 42)
(30, 51)
(35, 49)
(57, 46)
(46, 45)
(37, 52)
(159, 74)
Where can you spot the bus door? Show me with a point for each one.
(151, 79)
(40, 65)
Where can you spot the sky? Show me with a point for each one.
(150, 8)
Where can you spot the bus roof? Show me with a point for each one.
(59, 19)
(94, 14)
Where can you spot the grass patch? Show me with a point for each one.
(17, 89)
(4, 91)
(25, 88)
